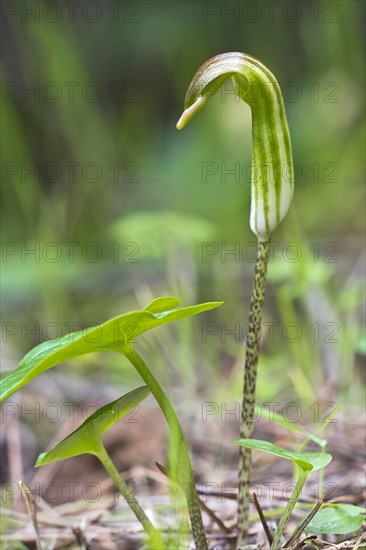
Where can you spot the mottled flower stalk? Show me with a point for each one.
(250, 379)
(271, 195)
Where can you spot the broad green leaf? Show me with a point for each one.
(305, 460)
(87, 437)
(117, 334)
(337, 519)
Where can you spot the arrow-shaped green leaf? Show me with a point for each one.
(306, 461)
(87, 437)
(115, 335)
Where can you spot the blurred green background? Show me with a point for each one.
(106, 205)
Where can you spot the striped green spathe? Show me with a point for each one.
(272, 174)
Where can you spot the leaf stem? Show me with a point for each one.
(178, 447)
(250, 378)
(131, 500)
(303, 474)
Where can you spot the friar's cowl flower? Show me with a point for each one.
(272, 174)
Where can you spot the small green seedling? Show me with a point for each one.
(336, 519)
(305, 462)
(118, 334)
(87, 438)
(271, 194)
(322, 443)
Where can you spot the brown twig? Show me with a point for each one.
(31, 507)
(263, 519)
(219, 494)
(359, 540)
(303, 524)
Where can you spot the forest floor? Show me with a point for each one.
(76, 506)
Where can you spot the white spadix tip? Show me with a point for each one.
(189, 113)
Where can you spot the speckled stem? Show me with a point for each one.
(250, 377)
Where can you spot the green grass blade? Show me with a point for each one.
(314, 437)
(278, 419)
